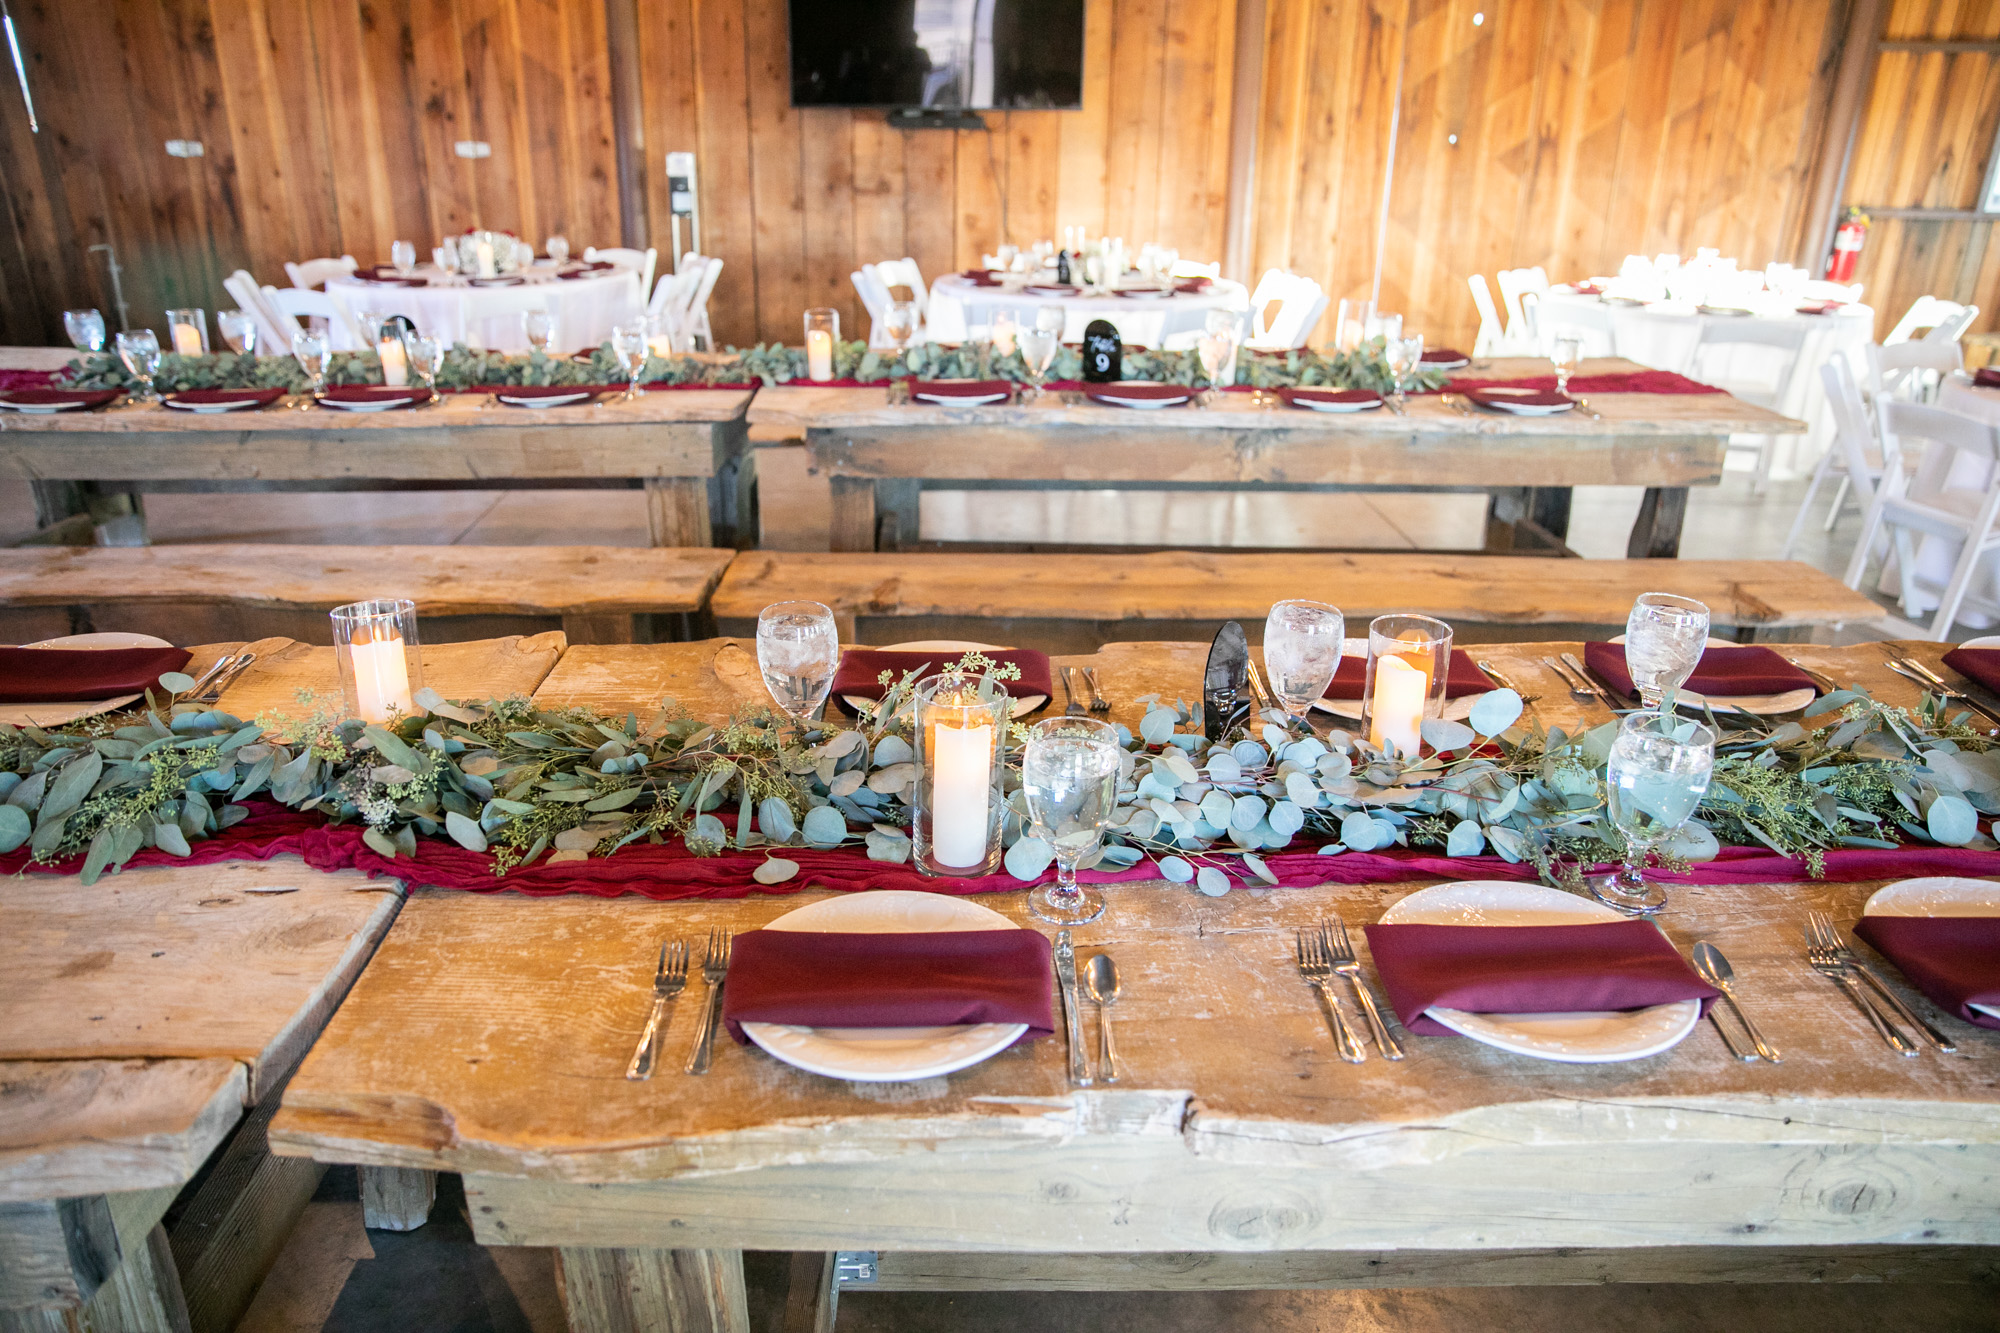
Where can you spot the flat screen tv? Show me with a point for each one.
(970, 55)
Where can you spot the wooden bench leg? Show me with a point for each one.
(396, 1198)
(812, 1301)
(144, 1295)
(677, 511)
(1656, 532)
(853, 524)
(653, 1291)
(100, 1262)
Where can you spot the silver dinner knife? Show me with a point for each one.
(1079, 1066)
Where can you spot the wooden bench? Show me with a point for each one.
(597, 590)
(1063, 600)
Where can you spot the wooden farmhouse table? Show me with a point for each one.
(151, 1019)
(491, 1032)
(681, 446)
(880, 455)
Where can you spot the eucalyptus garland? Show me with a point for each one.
(525, 783)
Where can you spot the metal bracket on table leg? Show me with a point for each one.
(854, 1268)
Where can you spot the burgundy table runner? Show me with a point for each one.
(1723, 672)
(1953, 959)
(59, 675)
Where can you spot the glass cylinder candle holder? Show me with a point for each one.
(960, 803)
(822, 333)
(187, 332)
(1408, 659)
(380, 667)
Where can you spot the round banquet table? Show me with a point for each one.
(1662, 335)
(960, 306)
(452, 309)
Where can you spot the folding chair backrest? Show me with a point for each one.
(1907, 370)
(1514, 282)
(274, 335)
(1926, 312)
(643, 261)
(1492, 333)
(344, 333)
(1785, 337)
(1853, 426)
(905, 273)
(1283, 310)
(1589, 322)
(314, 272)
(1941, 434)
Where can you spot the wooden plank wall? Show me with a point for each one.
(1556, 132)
(1925, 141)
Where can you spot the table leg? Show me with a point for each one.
(1656, 532)
(677, 511)
(396, 1198)
(120, 514)
(101, 1262)
(1528, 519)
(653, 1291)
(812, 1302)
(853, 525)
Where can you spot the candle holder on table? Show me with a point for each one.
(822, 336)
(187, 332)
(961, 745)
(380, 667)
(1408, 659)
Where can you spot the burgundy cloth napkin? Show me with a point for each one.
(1987, 377)
(814, 979)
(860, 667)
(1489, 397)
(89, 398)
(212, 397)
(1298, 396)
(1819, 307)
(980, 277)
(958, 388)
(1193, 286)
(387, 275)
(592, 269)
(1529, 969)
(373, 393)
(1723, 672)
(1444, 356)
(1979, 665)
(1460, 678)
(1953, 959)
(1136, 390)
(57, 675)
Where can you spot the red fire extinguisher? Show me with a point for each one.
(1847, 246)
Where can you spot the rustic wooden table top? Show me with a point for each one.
(482, 669)
(458, 411)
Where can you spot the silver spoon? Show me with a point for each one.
(1102, 978)
(1715, 970)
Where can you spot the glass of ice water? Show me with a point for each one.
(85, 329)
(1301, 652)
(403, 255)
(1664, 638)
(140, 351)
(629, 345)
(798, 650)
(1657, 774)
(539, 326)
(426, 356)
(1069, 778)
(239, 330)
(309, 348)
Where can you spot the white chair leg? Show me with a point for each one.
(1805, 506)
(1839, 499)
(1760, 480)
(1906, 572)
(1857, 564)
(1954, 593)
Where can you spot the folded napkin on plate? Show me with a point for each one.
(1978, 665)
(1819, 307)
(218, 397)
(1726, 673)
(383, 273)
(59, 675)
(1953, 959)
(1461, 678)
(811, 979)
(590, 270)
(1193, 286)
(87, 398)
(1528, 969)
(860, 669)
(374, 393)
(980, 277)
(1987, 377)
(1504, 398)
(1134, 391)
(959, 388)
(1449, 356)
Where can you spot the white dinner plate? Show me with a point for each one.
(1573, 1038)
(1521, 409)
(1459, 364)
(60, 713)
(212, 409)
(350, 405)
(960, 400)
(42, 409)
(887, 1055)
(957, 648)
(1938, 895)
(1142, 404)
(1759, 705)
(553, 400)
(1144, 293)
(1321, 405)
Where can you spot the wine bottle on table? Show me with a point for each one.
(1062, 268)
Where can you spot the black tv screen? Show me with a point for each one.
(959, 54)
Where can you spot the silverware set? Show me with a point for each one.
(1830, 956)
(1909, 668)
(208, 689)
(670, 978)
(1077, 705)
(1324, 954)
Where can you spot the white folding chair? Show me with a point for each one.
(876, 300)
(695, 322)
(1719, 352)
(315, 272)
(1513, 283)
(288, 303)
(272, 336)
(1953, 326)
(1299, 302)
(1591, 323)
(1855, 453)
(904, 272)
(1912, 370)
(641, 260)
(670, 299)
(1924, 505)
(1492, 338)
(1928, 312)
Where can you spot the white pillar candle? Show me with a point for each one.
(819, 354)
(381, 675)
(660, 345)
(1396, 714)
(961, 793)
(395, 362)
(485, 253)
(187, 340)
(1003, 340)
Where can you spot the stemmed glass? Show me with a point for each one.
(1657, 774)
(446, 258)
(309, 347)
(1664, 638)
(239, 330)
(1069, 778)
(628, 344)
(1038, 352)
(798, 652)
(403, 254)
(1217, 349)
(1566, 354)
(540, 328)
(899, 325)
(557, 249)
(1403, 356)
(1302, 642)
(426, 357)
(85, 329)
(140, 351)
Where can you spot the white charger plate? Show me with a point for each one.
(1522, 409)
(959, 400)
(1023, 705)
(42, 409)
(1938, 896)
(1142, 404)
(887, 1055)
(365, 405)
(1319, 405)
(537, 404)
(59, 713)
(213, 409)
(1572, 1038)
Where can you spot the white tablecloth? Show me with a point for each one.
(1663, 337)
(962, 309)
(585, 308)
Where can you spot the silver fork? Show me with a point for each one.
(1827, 963)
(1098, 703)
(1576, 690)
(1074, 709)
(1317, 968)
(669, 980)
(224, 677)
(1340, 954)
(1821, 926)
(714, 967)
(1909, 668)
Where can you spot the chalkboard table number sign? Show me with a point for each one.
(1103, 353)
